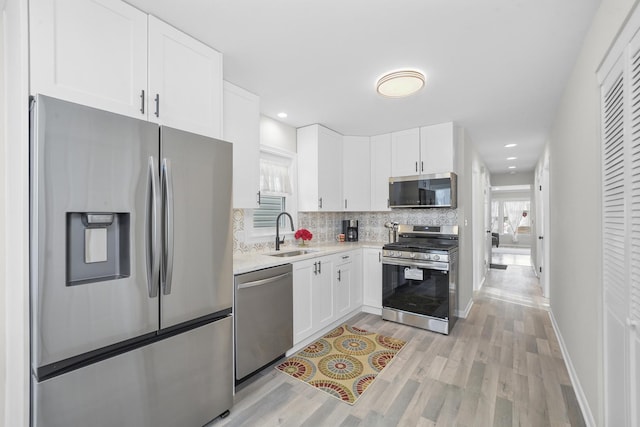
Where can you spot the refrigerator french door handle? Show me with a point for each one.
(167, 250)
(152, 250)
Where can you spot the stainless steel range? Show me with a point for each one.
(420, 277)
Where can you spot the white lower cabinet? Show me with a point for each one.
(372, 278)
(325, 289)
(342, 284)
(356, 284)
(313, 302)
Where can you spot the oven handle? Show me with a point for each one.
(432, 265)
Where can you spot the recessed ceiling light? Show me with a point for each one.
(510, 145)
(512, 167)
(511, 158)
(398, 84)
(282, 115)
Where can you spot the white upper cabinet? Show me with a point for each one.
(380, 171)
(241, 127)
(109, 55)
(356, 173)
(438, 148)
(425, 150)
(185, 81)
(319, 169)
(405, 152)
(92, 52)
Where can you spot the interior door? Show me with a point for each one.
(89, 161)
(197, 273)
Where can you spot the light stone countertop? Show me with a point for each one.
(244, 263)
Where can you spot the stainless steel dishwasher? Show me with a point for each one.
(263, 318)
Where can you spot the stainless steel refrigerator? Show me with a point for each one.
(131, 271)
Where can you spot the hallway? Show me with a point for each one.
(501, 366)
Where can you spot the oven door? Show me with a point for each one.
(416, 287)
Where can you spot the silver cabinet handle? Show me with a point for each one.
(319, 267)
(339, 279)
(379, 256)
(320, 202)
(142, 101)
(345, 203)
(315, 268)
(259, 200)
(345, 256)
(262, 281)
(421, 166)
(388, 203)
(416, 166)
(167, 253)
(151, 230)
(157, 113)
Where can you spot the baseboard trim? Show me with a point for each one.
(575, 381)
(372, 310)
(463, 314)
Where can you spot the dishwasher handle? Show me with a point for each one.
(262, 281)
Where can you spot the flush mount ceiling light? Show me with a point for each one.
(512, 158)
(510, 145)
(283, 115)
(512, 167)
(398, 84)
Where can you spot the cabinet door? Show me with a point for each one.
(356, 173)
(330, 170)
(380, 171)
(307, 150)
(355, 285)
(185, 81)
(242, 128)
(322, 294)
(341, 286)
(372, 277)
(303, 277)
(92, 52)
(405, 152)
(437, 149)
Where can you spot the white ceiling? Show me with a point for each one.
(495, 67)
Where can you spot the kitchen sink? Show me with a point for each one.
(292, 253)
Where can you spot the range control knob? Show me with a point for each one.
(436, 257)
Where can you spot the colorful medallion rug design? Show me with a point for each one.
(344, 362)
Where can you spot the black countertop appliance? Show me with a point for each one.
(350, 230)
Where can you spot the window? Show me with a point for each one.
(270, 207)
(511, 217)
(277, 195)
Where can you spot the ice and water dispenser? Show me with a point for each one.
(97, 247)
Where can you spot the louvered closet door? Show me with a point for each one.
(633, 180)
(616, 342)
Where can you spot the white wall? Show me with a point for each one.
(519, 178)
(15, 229)
(276, 134)
(3, 359)
(575, 213)
(470, 219)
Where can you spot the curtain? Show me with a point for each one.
(513, 215)
(274, 177)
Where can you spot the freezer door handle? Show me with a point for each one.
(167, 211)
(151, 228)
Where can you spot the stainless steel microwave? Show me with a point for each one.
(424, 191)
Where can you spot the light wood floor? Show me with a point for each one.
(502, 366)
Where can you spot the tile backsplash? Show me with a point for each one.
(325, 226)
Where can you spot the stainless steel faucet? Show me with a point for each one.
(278, 241)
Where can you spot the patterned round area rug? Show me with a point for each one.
(343, 363)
